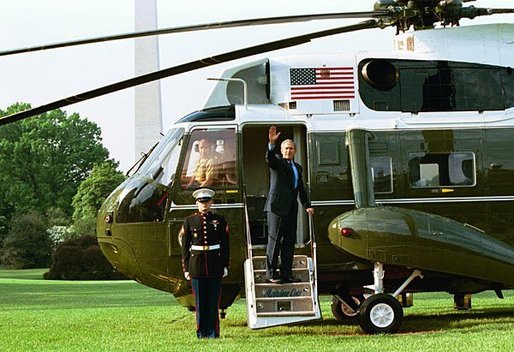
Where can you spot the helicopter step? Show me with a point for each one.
(279, 304)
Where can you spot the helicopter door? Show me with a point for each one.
(256, 176)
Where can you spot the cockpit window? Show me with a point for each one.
(145, 195)
(429, 170)
(211, 160)
(162, 163)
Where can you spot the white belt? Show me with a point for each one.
(205, 248)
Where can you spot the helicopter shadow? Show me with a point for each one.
(412, 324)
(456, 320)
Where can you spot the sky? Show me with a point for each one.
(42, 77)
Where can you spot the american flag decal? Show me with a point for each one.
(322, 83)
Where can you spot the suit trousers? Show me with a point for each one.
(207, 292)
(281, 240)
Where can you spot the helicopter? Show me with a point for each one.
(408, 157)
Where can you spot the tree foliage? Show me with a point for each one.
(44, 159)
(27, 244)
(93, 191)
(81, 259)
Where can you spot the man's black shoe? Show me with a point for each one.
(274, 281)
(291, 280)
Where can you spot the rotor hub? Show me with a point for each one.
(424, 14)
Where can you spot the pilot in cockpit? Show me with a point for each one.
(204, 168)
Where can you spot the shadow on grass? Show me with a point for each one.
(180, 318)
(456, 321)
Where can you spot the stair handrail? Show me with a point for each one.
(312, 238)
(248, 232)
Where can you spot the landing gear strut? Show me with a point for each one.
(462, 301)
(380, 312)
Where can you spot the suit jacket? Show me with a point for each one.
(205, 229)
(282, 195)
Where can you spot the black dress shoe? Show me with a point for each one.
(291, 279)
(274, 281)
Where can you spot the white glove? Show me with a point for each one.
(186, 275)
(225, 271)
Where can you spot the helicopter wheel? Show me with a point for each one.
(341, 310)
(380, 313)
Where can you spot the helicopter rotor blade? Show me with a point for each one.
(190, 66)
(391, 13)
(472, 12)
(201, 27)
(499, 11)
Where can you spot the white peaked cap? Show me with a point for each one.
(203, 193)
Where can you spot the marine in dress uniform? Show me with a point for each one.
(286, 185)
(205, 261)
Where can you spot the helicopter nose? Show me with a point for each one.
(113, 237)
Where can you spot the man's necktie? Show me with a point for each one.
(295, 172)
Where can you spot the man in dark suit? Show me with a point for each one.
(286, 184)
(205, 259)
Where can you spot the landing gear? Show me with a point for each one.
(380, 313)
(346, 311)
(462, 301)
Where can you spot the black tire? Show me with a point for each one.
(342, 312)
(380, 313)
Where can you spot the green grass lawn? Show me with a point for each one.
(40, 315)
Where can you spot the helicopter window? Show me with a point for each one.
(210, 160)
(381, 172)
(162, 163)
(328, 154)
(145, 195)
(329, 169)
(442, 169)
(224, 113)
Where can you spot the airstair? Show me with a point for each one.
(280, 304)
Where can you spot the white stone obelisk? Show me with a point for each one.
(147, 99)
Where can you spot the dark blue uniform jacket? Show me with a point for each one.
(205, 229)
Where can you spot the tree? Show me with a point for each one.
(44, 159)
(81, 259)
(91, 193)
(4, 222)
(27, 244)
